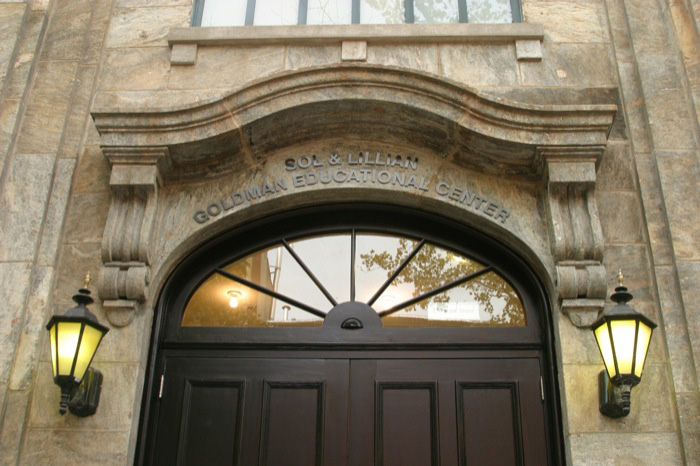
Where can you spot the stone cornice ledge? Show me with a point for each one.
(400, 33)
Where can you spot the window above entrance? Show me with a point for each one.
(332, 12)
(409, 282)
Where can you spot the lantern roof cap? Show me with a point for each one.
(79, 312)
(622, 310)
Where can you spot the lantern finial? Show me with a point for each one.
(86, 280)
(620, 278)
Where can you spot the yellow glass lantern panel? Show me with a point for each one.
(52, 335)
(603, 338)
(643, 340)
(68, 334)
(88, 346)
(623, 332)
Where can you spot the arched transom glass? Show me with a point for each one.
(409, 282)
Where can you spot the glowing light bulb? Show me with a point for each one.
(233, 301)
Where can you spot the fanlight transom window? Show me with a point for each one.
(409, 282)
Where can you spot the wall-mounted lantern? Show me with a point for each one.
(75, 337)
(623, 337)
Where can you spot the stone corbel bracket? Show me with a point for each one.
(576, 234)
(126, 242)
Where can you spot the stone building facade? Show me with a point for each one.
(123, 131)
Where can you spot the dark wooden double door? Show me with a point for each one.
(362, 408)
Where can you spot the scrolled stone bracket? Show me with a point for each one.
(575, 231)
(126, 242)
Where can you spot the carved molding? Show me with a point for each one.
(126, 242)
(503, 129)
(576, 234)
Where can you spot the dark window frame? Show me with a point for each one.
(409, 12)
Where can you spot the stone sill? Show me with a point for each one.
(526, 36)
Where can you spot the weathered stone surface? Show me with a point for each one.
(135, 69)
(143, 27)
(227, 67)
(616, 172)
(26, 50)
(475, 64)
(183, 54)
(128, 344)
(623, 449)
(75, 125)
(22, 205)
(676, 330)
(567, 21)
(66, 34)
(680, 181)
(153, 99)
(670, 122)
(9, 110)
(95, 37)
(10, 22)
(353, 50)
(637, 123)
(32, 328)
(55, 213)
(578, 345)
(75, 261)
(654, 209)
(299, 56)
(92, 175)
(620, 216)
(689, 275)
(689, 413)
(12, 426)
(530, 50)
(107, 448)
(15, 278)
(568, 64)
(417, 57)
(651, 407)
(634, 262)
(45, 116)
(116, 399)
(86, 217)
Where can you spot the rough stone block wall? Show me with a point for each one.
(58, 56)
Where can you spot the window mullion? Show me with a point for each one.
(355, 11)
(463, 15)
(409, 14)
(303, 11)
(516, 11)
(250, 13)
(198, 11)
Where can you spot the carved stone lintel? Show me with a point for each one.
(120, 312)
(576, 234)
(126, 242)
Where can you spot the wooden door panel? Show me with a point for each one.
(292, 428)
(406, 427)
(479, 405)
(489, 411)
(200, 400)
(253, 411)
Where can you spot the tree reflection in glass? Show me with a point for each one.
(486, 300)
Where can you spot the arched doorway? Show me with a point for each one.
(433, 347)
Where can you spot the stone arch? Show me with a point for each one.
(550, 142)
